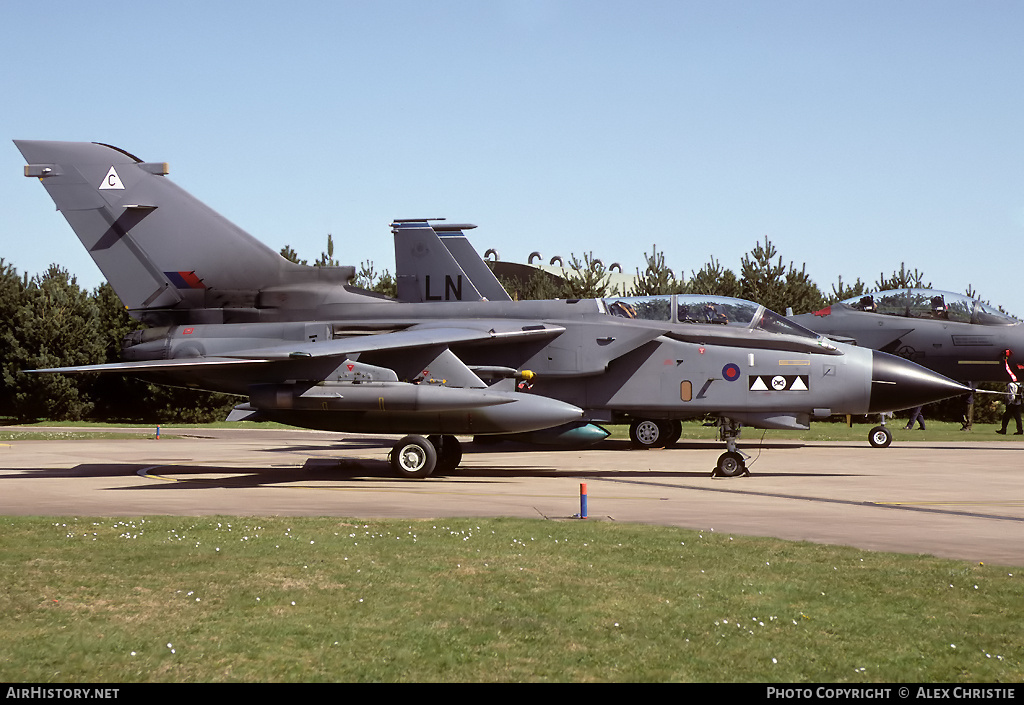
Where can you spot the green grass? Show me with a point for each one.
(82, 430)
(190, 599)
(692, 430)
(144, 426)
(75, 435)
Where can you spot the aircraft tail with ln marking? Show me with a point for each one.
(436, 262)
(169, 257)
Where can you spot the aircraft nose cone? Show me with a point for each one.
(900, 384)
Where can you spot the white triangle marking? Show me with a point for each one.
(798, 385)
(111, 181)
(758, 385)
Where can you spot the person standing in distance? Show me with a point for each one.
(1013, 401)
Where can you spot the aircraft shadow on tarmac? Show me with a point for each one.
(169, 476)
(355, 443)
(80, 471)
(619, 445)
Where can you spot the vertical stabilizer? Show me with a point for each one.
(436, 262)
(474, 266)
(158, 246)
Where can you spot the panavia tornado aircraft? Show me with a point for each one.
(226, 313)
(952, 334)
(433, 261)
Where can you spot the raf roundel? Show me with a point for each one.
(731, 372)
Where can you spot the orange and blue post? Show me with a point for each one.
(583, 500)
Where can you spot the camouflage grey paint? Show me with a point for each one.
(307, 348)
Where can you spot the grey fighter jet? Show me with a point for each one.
(226, 313)
(428, 252)
(952, 334)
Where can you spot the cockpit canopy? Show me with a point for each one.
(930, 303)
(698, 308)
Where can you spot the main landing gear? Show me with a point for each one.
(416, 457)
(648, 433)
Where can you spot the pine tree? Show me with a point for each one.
(799, 292)
(588, 279)
(903, 279)
(842, 292)
(656, 278)
(776, 286)
(55, 325)
(11, 295)
(327, 258)
(368, 278)
(291, 255)
(714, 279)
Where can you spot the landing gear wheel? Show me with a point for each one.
(880, 437)
(449, 453)
(645, 433)
(730, 464)
(413, 457)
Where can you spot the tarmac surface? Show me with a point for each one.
(960, 500)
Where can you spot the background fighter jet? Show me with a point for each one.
(228, 314)
(952, 334)
(949, 333)
(434, 261)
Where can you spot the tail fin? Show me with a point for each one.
(159, 247)
(431, 266)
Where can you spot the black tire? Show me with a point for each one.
(449, 453)
(880, 437)
(674, 429)
(413, 457)
(730, 464)
(645, 433)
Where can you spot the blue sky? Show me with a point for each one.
(854, 135)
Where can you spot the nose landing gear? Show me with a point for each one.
(731, 463)
(880, 437)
